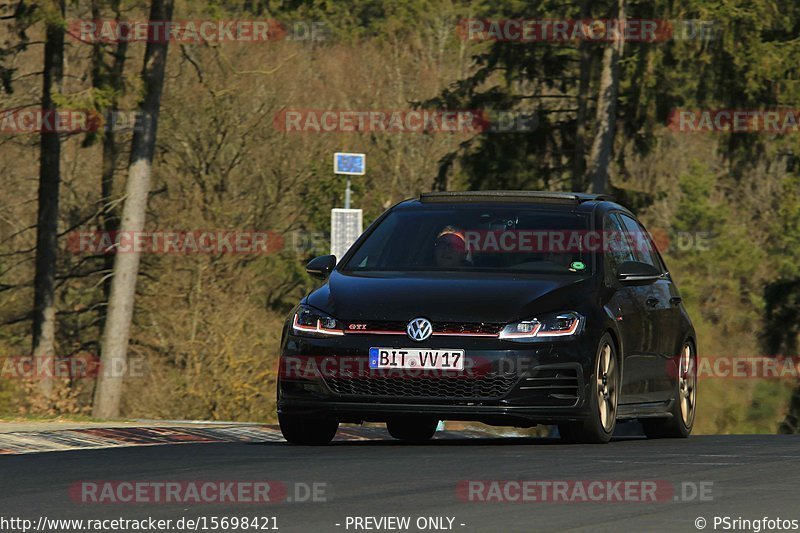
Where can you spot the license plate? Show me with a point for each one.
(383, 358)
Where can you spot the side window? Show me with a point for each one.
(642, 246)
(617, 248)
(374, 252)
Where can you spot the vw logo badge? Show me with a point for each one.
(419, 329)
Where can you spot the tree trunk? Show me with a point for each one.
(44, 310)
(781, 335)
(116, 331)
(602, 147)
(107, 77)
(579, 155)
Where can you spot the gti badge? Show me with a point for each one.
(419, 329)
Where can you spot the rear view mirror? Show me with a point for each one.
(636, 272)
(321, 267)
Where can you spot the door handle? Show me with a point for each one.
(675, 300)
(652, 301)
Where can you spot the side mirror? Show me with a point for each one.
(321, 267)
(634, 272)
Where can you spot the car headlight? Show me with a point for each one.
(553, 325)
(309, 321)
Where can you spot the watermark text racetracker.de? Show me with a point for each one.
(740, 367)
(583, 491)
(779, 121)
(70, 121)
(305, 367)
(195, 31)
(391, 121)
(174, 242)
(574, 241)
(587, 30)
(73, 367)
(197, 492)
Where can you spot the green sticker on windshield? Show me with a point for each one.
(577, 265)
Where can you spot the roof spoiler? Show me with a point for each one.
(515, 196)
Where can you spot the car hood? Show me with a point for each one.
(464, 297)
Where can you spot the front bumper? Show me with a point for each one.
(504, 382)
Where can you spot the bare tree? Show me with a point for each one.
(602, 147)
(108, 78)
(116, 331)
(44, 316)
(586, 57)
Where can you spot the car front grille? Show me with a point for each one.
(439, 328)
(483, 388)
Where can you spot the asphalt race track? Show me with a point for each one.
(753, 477)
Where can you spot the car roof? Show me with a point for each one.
(573, 198)
(569, 201)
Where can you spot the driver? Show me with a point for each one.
(450, 249)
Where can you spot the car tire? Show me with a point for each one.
(679, 425)
(307, 431)
(598, 427)
(412, 429)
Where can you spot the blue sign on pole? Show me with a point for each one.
(349, 164)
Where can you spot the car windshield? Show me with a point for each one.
(477, 238)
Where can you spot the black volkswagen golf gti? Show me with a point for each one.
(508, 308)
